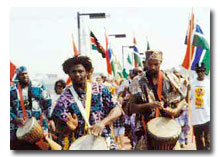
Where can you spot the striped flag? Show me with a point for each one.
(137, 58)
(96, 45)
(200, 51)
(108, 56)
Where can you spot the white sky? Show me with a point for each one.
(40, 38)
(8, 38)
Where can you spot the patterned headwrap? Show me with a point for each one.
(154, 54)
(20, 70)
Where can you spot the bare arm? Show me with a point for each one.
(176, 111)
(143, 107)
(114, 114)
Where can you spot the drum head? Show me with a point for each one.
(163, 127)
(26, 128)
(89, 142)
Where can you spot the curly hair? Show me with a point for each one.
(63, 83)
(84, 60)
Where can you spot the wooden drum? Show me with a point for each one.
(31, 131)
(89, 142)
(162, 133)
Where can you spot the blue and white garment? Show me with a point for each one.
(40, 102)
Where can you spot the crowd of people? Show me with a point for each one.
(119, 111)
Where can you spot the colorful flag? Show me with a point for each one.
(96, 45)
(190, 49)
(12, 71)
(129, 59)
(108, 56)
(75, 51)
(198, 50)
(137, 58)
(124, 73)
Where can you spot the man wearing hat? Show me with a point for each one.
(147, 99)
(36, 101)
(200, 94)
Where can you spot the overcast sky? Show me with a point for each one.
(40, 38)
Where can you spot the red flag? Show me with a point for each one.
(68, 81)
(76, 52)
(190, 48)
(109, 68)
(12, 70)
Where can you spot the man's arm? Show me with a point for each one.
(114, 114)
(143, 107)
(176, 111)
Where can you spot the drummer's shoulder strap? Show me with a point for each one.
(22, 102)
(159, 90)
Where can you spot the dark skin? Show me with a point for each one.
(153, 67)
(24, 81)
(79, 75)
(200, 74)
(59, 88)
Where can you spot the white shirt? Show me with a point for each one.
(200, 94)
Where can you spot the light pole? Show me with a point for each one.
(130, 47)
(118, 35)
(91, 16)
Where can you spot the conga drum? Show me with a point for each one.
(31, 131)
(89, 142)
(162, 133)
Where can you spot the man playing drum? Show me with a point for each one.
(67, 114)
(36, 101)
(148, 98)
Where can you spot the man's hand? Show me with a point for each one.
(52, 125)
(97, 128)
(72, 121)
(19, 122)
(170, 111)
(158, 104)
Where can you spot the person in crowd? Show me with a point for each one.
(67, 114)
(200, 100)
(27, 99)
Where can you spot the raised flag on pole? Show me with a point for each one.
(200, 51)
(108, 55)
(96, 45)
(75, 51)
(190, 49)
(137, 58)
(12, 71)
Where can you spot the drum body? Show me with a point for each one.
(89, 142)
(31, 131)
(162, 133)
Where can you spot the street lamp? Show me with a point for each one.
(130, 47)
(118, 35)
(91, 16)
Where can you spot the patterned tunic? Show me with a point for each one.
(145, 92)
(40, 102)
(101, 104)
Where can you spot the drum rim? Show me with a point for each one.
(32, 119)
(174, 137)
(84, 137)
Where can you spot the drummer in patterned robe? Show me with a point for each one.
(67, 115)
(149, 100)
(36, 101)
